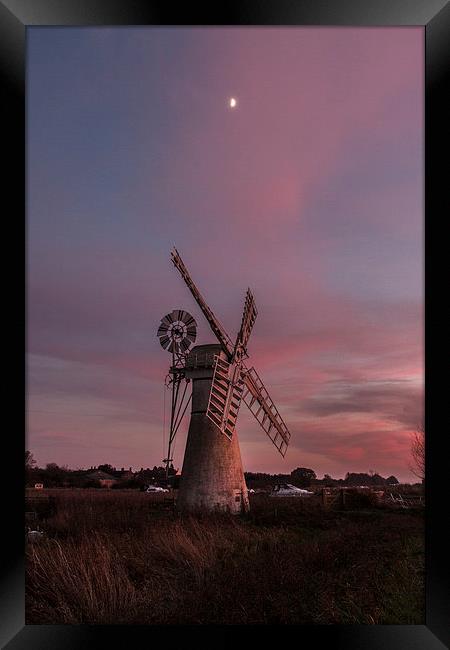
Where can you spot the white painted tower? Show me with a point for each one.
(212, 477)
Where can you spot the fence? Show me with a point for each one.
(332, 498)
(39, 506)
(354, 497)
(409, 501)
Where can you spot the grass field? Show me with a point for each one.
(113, 557)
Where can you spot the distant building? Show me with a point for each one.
(125, 474)
(105, 480)
(392, 480)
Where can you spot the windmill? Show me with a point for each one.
(212, 475)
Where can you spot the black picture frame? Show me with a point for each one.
(434, 15)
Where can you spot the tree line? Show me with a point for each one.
(54, 475)
(305, 477)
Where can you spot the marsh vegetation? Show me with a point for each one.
(126, 557)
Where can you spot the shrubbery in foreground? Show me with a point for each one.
(114, 557)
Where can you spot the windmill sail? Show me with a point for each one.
(225, 395)
(261, 405)
(232, 381)
(216, 327)
(248, 320)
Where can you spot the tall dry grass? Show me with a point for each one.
(117, 558)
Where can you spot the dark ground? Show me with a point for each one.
(118, 557)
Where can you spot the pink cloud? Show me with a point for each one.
(309, 193)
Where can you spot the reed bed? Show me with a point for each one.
(111, 557)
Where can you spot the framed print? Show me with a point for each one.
(231, 346)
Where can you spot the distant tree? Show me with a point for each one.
(303, 476)
(54, 475)
(417, 466)
(364, 478)
(30, 470)
(262, 480)
(352, 478)
(358, 478)
(107, 468)
(29, 460)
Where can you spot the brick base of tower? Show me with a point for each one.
(212, 477)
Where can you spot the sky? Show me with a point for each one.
(309, 191)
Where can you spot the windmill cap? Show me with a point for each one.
(209, 347)
(203, 355)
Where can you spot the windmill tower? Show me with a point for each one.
(212, 475)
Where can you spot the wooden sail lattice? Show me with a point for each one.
(248, 320)
(225, 396)
(232, 381)
(261, 405)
